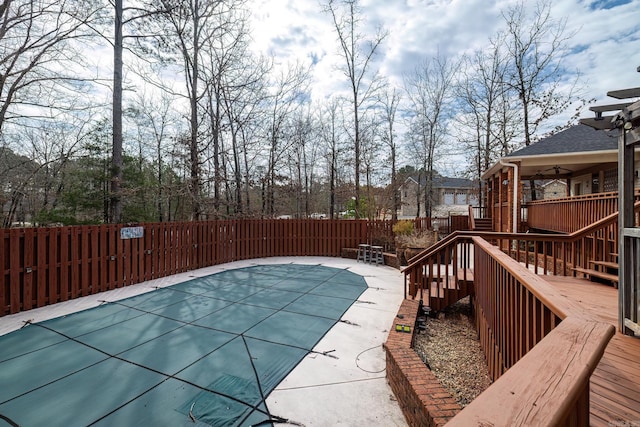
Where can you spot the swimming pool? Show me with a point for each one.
(204, 352)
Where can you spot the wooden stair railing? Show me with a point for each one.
(527, 329)
(540, 349)
(441, 275)
(436, 269)
(479, 224)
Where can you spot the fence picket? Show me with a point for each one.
(63, 260)
(41, 267)
(27, 269)
(85, 258)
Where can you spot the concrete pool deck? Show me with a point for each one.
(348, 387)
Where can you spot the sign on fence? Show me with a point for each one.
(131, 232)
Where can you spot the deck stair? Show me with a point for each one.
(445, 291)
(600, 271)
(483, 224)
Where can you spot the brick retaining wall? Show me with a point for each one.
(423, 400)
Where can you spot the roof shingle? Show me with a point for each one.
(576, 139)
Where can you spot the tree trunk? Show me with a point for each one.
(115, 215)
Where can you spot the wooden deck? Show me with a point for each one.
(615, 383)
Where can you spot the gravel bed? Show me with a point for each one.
(451, 349)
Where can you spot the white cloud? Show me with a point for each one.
(605, 47)
(607, 41)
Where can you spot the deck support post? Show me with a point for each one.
(629, 236)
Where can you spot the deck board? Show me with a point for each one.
(615, 383)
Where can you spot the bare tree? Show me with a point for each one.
(486, 110)
(156, 124)
(183, 35)
(389, 100)
(358, 53)
(302, 156)
(243, 94)
(286, 96)
(429, 90)
(115, 213)
(330, 124)
(38, 57)
(371, 146)
(536, 46)
(233, 80)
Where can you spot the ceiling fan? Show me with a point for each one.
(557, 169)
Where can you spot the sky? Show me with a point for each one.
(605, 48)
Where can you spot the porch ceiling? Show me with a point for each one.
(557, 166)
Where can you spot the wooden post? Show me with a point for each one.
(627, 121)
(629, 236)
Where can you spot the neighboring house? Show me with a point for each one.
(584, 159)
(554, 189)
(447, 191)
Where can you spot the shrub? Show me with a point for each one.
(403, 228)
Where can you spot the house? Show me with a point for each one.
(448, 193)
(583, 158)
(587, 241)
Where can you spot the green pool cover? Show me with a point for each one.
(204, 352)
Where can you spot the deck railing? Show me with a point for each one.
(556, 254)
(526, 329)
(571, 214)
(430, 274)
(560, 254)
(540, 350)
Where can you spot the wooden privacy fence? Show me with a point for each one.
(42, 266)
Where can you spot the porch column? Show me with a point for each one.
(513, 197)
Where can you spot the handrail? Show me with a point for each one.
(433, 249)
(547, 337)
(443, 271)
(525, 326)
(548, 385)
